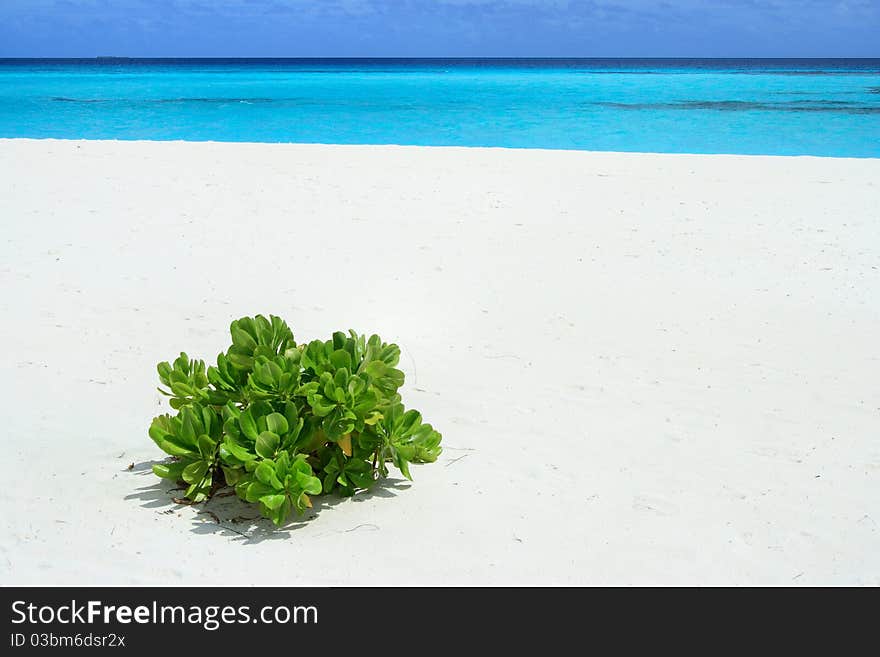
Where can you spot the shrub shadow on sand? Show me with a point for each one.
(227, 515)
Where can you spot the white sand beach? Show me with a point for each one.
(647, 369)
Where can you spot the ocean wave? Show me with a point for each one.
(213, 101)
(794, 72)
(840, 106)
(64, 99)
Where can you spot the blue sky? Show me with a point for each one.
(437, 28)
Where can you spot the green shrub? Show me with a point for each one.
(280, 421)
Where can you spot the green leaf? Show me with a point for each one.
(164, 430)
(403, 466)
(241, 361)
(409, 420)
(309, 484)
(238, 451)
(206, 446)
(248, 425)
(232, 475)
(198, 492)
(182, 390)
(302, 502)
(277, 423)
(254, 490)
(209, 418)
(338, 423)
(241, 338)
(361, 480)
(263, 373)
(265, 473)
(282, 464)
(267, 444)
(164, 369)
(291, 414)
(273, 502)
(195, 472)
(170, 447)
(426, 444)
(321, 406)
(169, 470)
(187, 431)
(341, 359)
(300, 464)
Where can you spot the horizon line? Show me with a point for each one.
(436, 57)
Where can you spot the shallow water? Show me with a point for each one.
(773, 107)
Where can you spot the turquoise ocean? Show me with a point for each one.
(771, 107)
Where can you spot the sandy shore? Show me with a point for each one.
(648, 369)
